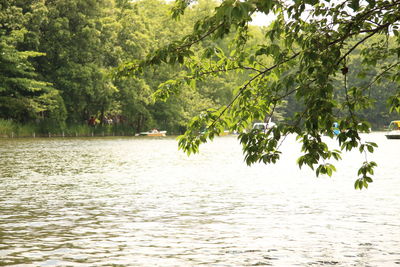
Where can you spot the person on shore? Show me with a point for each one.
(92, 121)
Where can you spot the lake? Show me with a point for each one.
(141, 202)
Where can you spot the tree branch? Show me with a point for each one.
(381, 74)
(248, 83)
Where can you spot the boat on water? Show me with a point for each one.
(335, 128)
(224, 133)
(264, 126)
(153, 132)
(394, 130)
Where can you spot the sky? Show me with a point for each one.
(259, 19)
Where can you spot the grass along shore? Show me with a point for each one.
(10, 129)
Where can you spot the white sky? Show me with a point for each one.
(259, 19)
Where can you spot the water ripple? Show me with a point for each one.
(140, 202)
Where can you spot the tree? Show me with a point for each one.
(305, 52)
(23, 95)
(146, 24)
(379, 90)
(77, 38)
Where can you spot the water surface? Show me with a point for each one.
(141, 202)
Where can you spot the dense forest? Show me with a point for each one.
(58, 62)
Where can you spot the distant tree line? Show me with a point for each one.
(58, 59)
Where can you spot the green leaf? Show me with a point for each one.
(355, 4)
(356, 185)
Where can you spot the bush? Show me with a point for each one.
(6, 127)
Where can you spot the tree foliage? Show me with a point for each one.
(308, 54)
(74, 46)
(23, 95)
